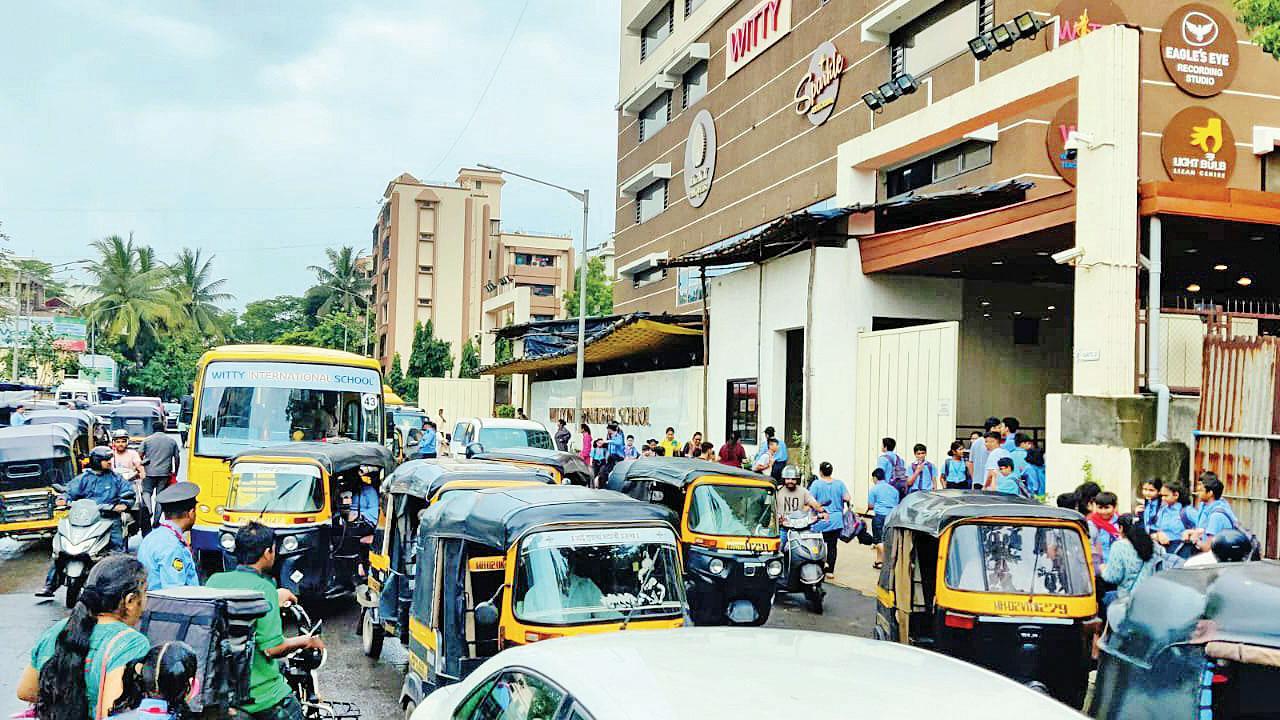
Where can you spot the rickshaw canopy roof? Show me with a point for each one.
(933, 512)
(81, 420)
(498, 517)
(334, 457)
(675, 471)
(137, 410)
(1229, 602)
(423, 478)
(566, 462)
(36, 442)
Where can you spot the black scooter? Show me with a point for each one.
(804, 555)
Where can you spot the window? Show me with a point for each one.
(657, 30)
(535, 260)
(651, 201)
(654, 117)
(424, 268)
(1018, 559)
(479, 184)
(648, 277)
(695, 84)
(742, 413)
(938, 35)
(1271, 172)
(734, 511)
(690, 6)
(512, 695)
(542, 318)
(495, 227)
(940, 166)
(541, 290)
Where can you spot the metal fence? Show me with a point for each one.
(1182, 336)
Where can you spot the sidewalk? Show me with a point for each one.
(853, 568)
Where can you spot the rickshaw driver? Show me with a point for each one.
(127, 463)
(164, 552)
(359, 523)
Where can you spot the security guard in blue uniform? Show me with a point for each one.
(164, 552)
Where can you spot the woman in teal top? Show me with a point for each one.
(77, 666)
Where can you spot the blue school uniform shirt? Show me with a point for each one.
(597, 453)
(1007, 484)
(957, 472)
(1101, 541)
(830, 493)
(427, 445)
(367, 504)
(1033, 477)
(781, 455)
(1019, 457)
(925, 480)
(1215, 517)
(1169, 521)
(882, 498)
(1010, 443)
(886, 462)
(1150, 509)
(617, 445)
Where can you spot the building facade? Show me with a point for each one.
(440, 254)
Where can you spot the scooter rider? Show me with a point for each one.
(100, 483)
(793, 498)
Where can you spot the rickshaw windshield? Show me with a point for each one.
(135, 426)
(733, 510)
(1025, 559)
(260, 487)
(570, 577)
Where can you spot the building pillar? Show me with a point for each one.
(1106, 275)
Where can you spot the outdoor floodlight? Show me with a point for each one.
(889, 91)
(1003, 36)
(982, 46)
(906, 84)
(873, 101)
(1027, 26)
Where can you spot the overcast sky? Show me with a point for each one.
(266, 132)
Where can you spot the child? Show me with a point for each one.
(1006, 481)
(1033, 475)
(599, 455)
(895, 470)
(956, 469)
(630, 452)
(1150, 503)
(924, 474)
(1102, 528)
(882, 498)
(709, 452)
(1019, 454)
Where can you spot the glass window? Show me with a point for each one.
(1018, 559)
(655, 115)
(136, 427)
(233, 418)
(576, 712)
(651, 201)
(568, 577)
(936, 37)
(494, 438)
(733, 510)
(742, 411)
(512, 695)
(261, 487)
(655, 31)
(695, 84)
(1271, 172)
(691, 5)
(942, 165)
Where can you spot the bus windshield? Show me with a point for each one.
(258, 404)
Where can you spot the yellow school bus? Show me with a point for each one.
(254, 396)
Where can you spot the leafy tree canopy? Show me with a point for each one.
(171, 371)
(1262, 19)
(430, 357)
(599, 291)
(469, 366)
(264, 321)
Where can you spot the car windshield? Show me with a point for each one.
(409, 424)
(258, 487)
(733, 510)
(568, 577)
(1018, 559)
(497, 438)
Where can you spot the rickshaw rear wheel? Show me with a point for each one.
(371, 634)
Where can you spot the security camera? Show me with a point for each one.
(1068, 257)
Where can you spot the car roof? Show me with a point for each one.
(698, 673)
(494, 422)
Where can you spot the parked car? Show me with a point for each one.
(497, 434)
(172, 418)
(641, 676)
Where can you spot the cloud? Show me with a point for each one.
(178, 36)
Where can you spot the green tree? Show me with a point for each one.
(263, 321)
(1262, 19)
(429, 357)
(599, 291)
(336, 331)
(197, 293)
(171, 370)
(343, 282)
(133, 302)
(402, 385)
(469, 366)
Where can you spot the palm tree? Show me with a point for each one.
(133, 301)
(345, 280)
(197, 293)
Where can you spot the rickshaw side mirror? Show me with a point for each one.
(474, 449)
(486, 614)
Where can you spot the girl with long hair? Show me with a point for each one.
(159, 685)
(1133, 557)
(77, 667)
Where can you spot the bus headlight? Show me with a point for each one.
(228, 542)
(774, 568)
(289, 543)
(716, 566)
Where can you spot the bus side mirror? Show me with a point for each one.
(188, 406)
(486, 614)
(474, 449)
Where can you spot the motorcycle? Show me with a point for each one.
(299, 669)
(804, 556)
(83, 538)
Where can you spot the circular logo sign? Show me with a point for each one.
(817, 91)
(700, 158)
(1199, 50)
(1077, 18)
(369, 401)
(1055, 141)
(1198, 146)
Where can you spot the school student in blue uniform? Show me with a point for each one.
(164, 552)
(956, 470)
(1172, 518)
(1214, 514)
(882, 498)
(924, 474)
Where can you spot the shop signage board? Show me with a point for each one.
(819, 88)
(755, 32)
(1077, 18)
(700, 158)
(1199, 49)
(1199, 147)
(1055, 141)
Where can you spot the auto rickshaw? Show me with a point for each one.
(89, 433)
(138, 419)
(34, 458)
(404, 430)
(566, 467)
(1193, 640)
(995, 580)
(406, 493)
(728, 529)
(304, 491)
(511, 566)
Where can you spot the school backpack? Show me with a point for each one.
(1256, 552)
(897, 474)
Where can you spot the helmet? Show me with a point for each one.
(120, 434)
(1231, 545)
(98, 455)
(791, 472)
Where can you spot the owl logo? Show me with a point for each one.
(1209, 137)
(1198, 29)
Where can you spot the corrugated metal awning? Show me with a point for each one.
(629, 338)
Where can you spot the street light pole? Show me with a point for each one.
(582, 196)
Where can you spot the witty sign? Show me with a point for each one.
(816, 94)
(752, 34)
(1055, 141)
(1199, 50)
(700, 158)
(1198, 146)
(1077, 18)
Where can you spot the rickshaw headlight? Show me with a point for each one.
(773, 568)
(289, 543)
(716, 566)
(228, 542)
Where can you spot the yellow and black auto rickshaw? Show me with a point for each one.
(307, 492)
(994, 580)
(89, 433)
(728, 528)
(568, 468)
(511, 566)
(138, 419)
(406, 493)
(33, 459)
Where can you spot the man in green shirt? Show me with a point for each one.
(269, 695)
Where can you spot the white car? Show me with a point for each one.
(496, 434)
(731, 673)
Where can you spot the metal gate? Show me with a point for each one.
(1239, 428)
(906, 390)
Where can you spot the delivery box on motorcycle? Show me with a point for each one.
(218, 625)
